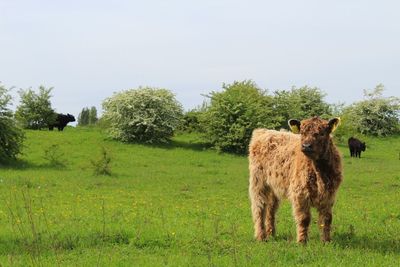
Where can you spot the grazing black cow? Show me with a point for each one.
(61, 121)
(356, 146)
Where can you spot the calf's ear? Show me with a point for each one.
(294, 125)
(333, 124)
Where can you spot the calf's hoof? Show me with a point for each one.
(262, 237)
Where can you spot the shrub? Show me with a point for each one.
(192, 118)
(234, 113)
(191, 121)
(54, 156)
(347, 128)
(34, 111)
(144, 115)
(300, 103)
(11, 136)
(101, 165)
(376, 115)
(103, 124)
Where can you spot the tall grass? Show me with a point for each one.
(181, 205)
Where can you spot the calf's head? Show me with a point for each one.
(70, 118)
(363, 146)
(315, 135)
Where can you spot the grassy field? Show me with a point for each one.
(180, 205)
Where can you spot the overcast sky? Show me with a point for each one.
(89, 49)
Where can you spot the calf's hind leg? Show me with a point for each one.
(271, 208)
(258, 209)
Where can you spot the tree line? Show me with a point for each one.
(88, 116)
(225, 120)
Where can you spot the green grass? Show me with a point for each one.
(180, 205)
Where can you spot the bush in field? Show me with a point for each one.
(102, 165)
(54, 156)
(192, 118)
(144, 115)
(300, 103)
(376, 115)
(34, 111)
(347, 128)
(191, 121)
(234, 113)
(11, 137)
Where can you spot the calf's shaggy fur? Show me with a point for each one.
(304, 168)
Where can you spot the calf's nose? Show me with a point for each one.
(306, 147)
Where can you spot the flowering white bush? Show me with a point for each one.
(144, 115)
(375, 115)
(11, 136)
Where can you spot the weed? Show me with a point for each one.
(101, 165)
(25, 224)
(54, 156)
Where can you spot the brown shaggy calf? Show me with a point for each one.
(305, 168)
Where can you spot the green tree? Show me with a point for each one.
(234, 113)
(35, 111)
(93, 116)
(142, 115)
(83, 118)
(375, 115)
(11, 136)
(87, 116)
(300, 103)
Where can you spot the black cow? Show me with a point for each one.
(61, 121)
(356, 146)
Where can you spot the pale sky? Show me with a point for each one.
(89, 49)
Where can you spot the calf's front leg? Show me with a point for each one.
(324, 223)
(302, 216)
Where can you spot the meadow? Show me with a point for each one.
(180, 204)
